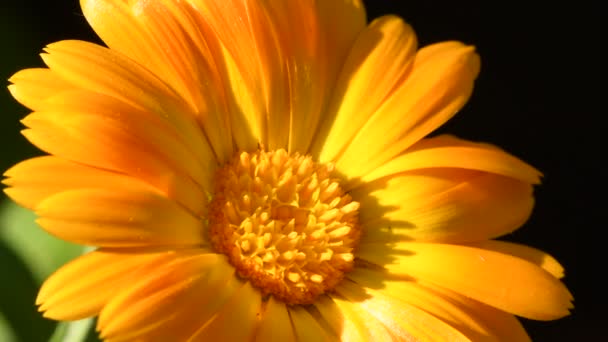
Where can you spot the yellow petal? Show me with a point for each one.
(244, 307)
(500, 280)
(477, 321)
(248, 113)
(360, 325)
(82, 287)
(533, 255)
(388, 43)
(133, 216)
(32, 87)
(306, 327)
(502, 326)
(114, 23)
(439, 84)
(440, 204)
(171, 301)
(345, 327)
(299, 34)
(451, 152)
(275, 324)
(402, 319)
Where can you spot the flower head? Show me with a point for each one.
(265, 163)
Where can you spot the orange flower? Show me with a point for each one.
(258, 169)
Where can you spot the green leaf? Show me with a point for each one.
(78, 331)
(28, 255)
(6, 331)
(40, 251)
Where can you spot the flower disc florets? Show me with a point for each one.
(285, 224)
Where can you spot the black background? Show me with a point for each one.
(533, 98)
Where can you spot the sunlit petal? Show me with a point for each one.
(475, 320)
(194, 282)
(439, 84)
(500, 280)
(448, 205)
(361, 90)
(135, 216)
(244, 307)
(66, 295)
(404, 321)
(447, 151)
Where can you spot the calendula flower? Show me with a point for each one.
(260, 170)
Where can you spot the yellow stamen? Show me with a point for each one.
(284, 223)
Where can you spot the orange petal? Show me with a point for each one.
(388, 43)
(278, 56)
(33, 180)
(250, 56)
(172, 301)
(156, 131)
(448, 151)
(441, 204)
(179, 40)
(166, 38)
(116, 75)
(439, 84)
(169, 39)
(132, 216)
(500, 280)
(123, 79)
(82, 287)
(169, 131)
(402, 319)
(181, 58)
(126, 145)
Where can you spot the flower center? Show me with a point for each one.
(284, 223)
